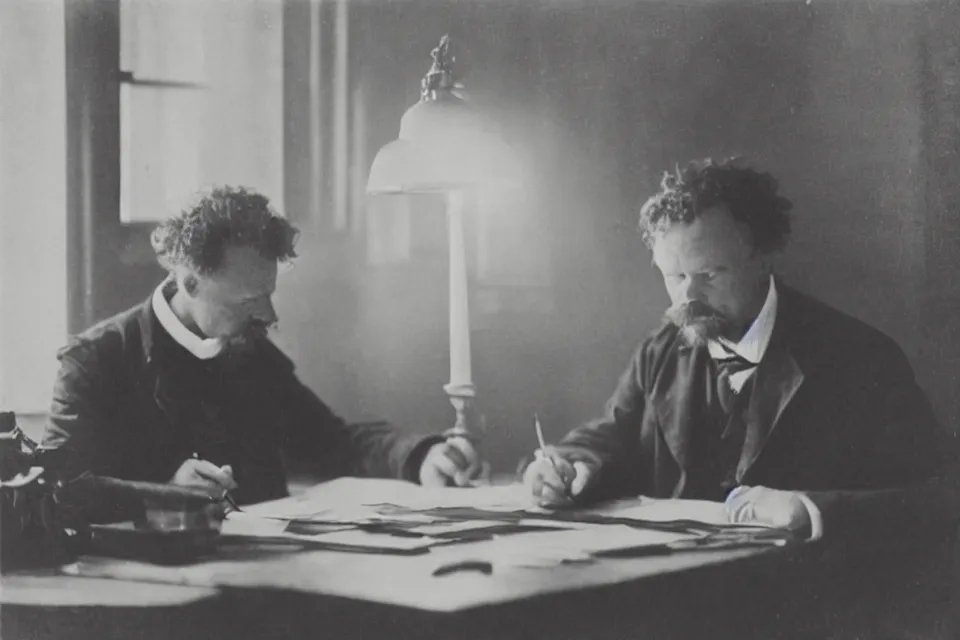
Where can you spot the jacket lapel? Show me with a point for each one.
(683, 390)
(776, 381)
(679, 399)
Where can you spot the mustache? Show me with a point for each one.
(251, 333)
(698, 322)
(694, 312)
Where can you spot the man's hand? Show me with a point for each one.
(452, 461)
(555, 482)
(205, 475)
(771, 507)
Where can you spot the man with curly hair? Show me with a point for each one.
(751, 392)
(186, 388)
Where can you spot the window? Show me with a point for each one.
(201, 102)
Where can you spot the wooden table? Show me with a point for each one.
(709, 594)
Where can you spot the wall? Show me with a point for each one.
(827, 96)
(33, 311)
(835, 98)
(941, 172)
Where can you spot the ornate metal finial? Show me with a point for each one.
(440, 75)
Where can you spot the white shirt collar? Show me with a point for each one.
(754, 342)
(203, 348)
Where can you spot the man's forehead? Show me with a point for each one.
(245, 272)
(711, 237)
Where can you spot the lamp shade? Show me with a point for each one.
(444, 118)
(404, 166)
(394, 169)
(444, 144)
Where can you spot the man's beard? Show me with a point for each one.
(252, 334)
(698, 322)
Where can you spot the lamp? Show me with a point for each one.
(446, 147)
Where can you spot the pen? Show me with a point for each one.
(233, 505)
(542, 452)
(226, 494)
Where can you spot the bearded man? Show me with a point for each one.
(793, 413)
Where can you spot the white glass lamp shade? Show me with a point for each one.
(395, 169)
(443, 145)
(442, 118)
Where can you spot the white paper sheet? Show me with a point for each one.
(358, 538)
(551, 548)
(247, 525)
(455, 526)
(488, 498)
(655, 510)
(355, 500)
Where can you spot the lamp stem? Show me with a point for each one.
(460, 389)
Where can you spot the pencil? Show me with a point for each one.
(543, 454)
(536, 425)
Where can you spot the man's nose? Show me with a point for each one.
(266, 313)
(689, 291)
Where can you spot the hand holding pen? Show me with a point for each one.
(553, 480)
(196, 472)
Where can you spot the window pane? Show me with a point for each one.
(175, 140)
(159, 150)
(162, 39)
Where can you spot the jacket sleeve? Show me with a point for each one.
(610, 443)
(904, 472)
(321, 443)
(76, 438)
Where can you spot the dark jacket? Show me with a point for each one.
(835, 412)
(131, 403)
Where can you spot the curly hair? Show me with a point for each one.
(750, 197)
(224, 217)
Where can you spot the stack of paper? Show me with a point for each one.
(657, 510)
(486, 498)
(349, 499)
(552, 548)
(347, 536)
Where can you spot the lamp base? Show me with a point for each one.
(469, 423)
(462, 398)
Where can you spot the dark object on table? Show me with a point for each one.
(156, 506)
(480, 566)
(171, 525)
(167, 547)
(32, 531)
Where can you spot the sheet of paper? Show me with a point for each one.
(455, 526)
(666, 510)
(373, 541)
(339, 494)
(346, 499)
(551, 548)
(253, 526)
(603, 538)
(243, 524)
(488, 498)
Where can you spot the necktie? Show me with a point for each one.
(727, 367)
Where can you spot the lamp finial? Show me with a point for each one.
(440, 75)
